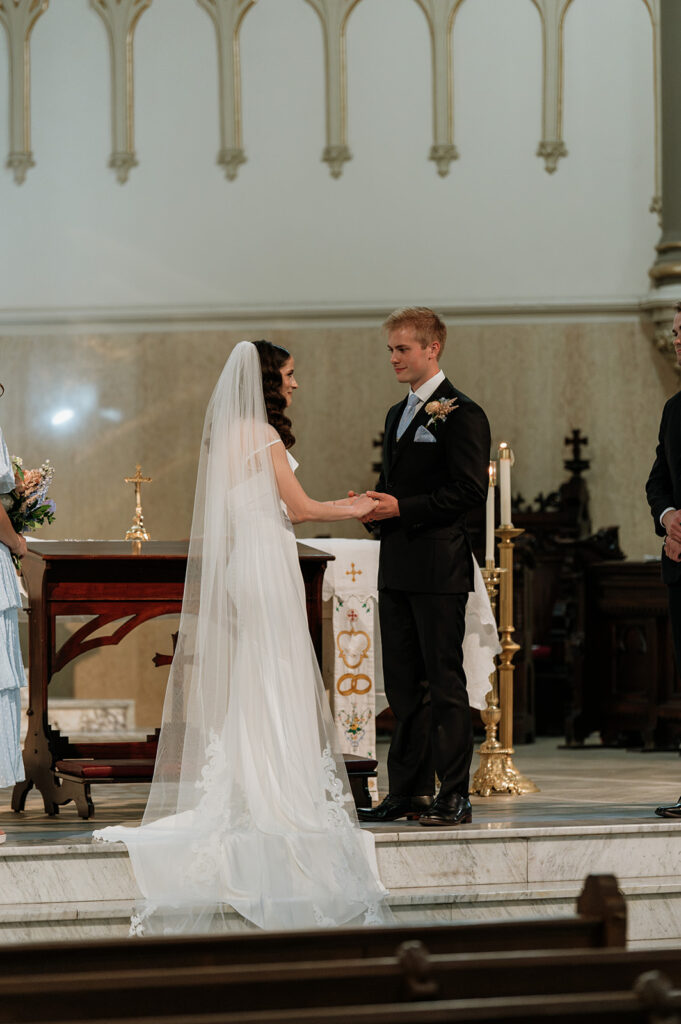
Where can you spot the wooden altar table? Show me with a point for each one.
(113, 583)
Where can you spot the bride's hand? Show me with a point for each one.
(362, 506)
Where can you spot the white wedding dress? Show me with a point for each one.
(250, 807)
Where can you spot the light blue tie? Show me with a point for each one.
(408, 414)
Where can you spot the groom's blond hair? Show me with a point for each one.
(425, 323)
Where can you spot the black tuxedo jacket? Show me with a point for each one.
(426, 549)
(663, 489)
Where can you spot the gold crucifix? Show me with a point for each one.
(137, 532)
(353, 572)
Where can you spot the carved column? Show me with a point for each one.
(665, 273)
(551, 146)
(334, 16)
(120, 18)
(653, 7)
(19, 17)
(227, 16)
(440, 15)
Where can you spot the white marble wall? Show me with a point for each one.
(498, 228)
(141, 397)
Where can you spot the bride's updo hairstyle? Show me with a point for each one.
(272, 358)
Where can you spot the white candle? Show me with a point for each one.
(505, 458)
(489, 536)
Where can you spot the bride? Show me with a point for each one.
(249, 807)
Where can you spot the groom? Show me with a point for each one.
(435, 469)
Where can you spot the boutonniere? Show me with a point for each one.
(440, 410)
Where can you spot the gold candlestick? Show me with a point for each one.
(489, 778)
(513, 781)
(137, 533)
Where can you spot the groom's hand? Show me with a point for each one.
(387, 507)
(671, 521)
(672, 549)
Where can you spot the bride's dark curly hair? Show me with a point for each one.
(272, 358)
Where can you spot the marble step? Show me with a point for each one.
(464, 859)
(475, 873)
(480, 855)
(653, 910)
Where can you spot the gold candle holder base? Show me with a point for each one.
(508, 780)
(496, 774)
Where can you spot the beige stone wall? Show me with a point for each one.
(141, 398)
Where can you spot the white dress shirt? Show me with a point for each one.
(427, 389)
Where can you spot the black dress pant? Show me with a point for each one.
(674, 591)
(421, 639)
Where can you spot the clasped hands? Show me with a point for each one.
(385, 506)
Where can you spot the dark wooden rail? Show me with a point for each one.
(411, 985)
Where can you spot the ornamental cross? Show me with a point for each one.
(576, 442)
(138, 480)
(137, 531)
(353, 572)
(576, 465)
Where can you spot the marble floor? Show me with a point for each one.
(592, 786)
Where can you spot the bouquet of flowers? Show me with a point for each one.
(28, 506)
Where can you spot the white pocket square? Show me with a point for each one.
(424, 435)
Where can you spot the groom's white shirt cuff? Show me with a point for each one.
(670, 509)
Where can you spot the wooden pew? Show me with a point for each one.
(600, 921)
(411, 986)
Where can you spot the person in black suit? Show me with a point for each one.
(435, 469)
(663, 491)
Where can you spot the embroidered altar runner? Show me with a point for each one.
(350, 582)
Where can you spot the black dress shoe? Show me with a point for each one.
(456, 810)
(673, 811)
(394, 807)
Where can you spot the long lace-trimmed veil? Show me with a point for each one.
(249, 807)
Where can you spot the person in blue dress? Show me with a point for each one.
(12, 676)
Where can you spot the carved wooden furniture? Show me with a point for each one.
(632, 691)
(550, 601)
(115, 585)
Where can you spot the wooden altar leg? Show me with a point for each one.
(44, 786)
(38, 769)
(19, 794)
